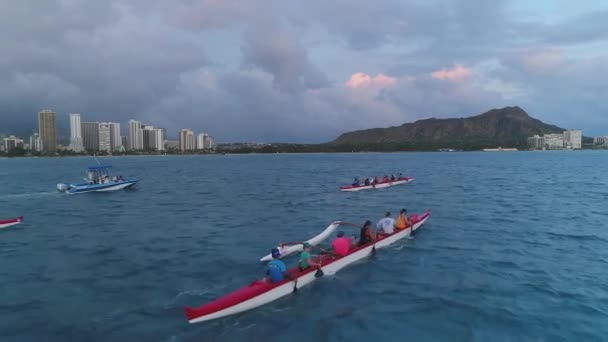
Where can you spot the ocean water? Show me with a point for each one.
(516, 248)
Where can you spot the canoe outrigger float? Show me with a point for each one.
(261, 292)
(10, 222)
(351, 188)
(98, 180)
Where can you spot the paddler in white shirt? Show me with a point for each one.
(387, 224)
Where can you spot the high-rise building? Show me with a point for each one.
(136, 136)
(35, 142)
(204, 142)
(105, 137)
(186, 140)
(601, 140)
(148, 136)
(158, 139)
(554, 141)
(90, 136)
(209, 142)
(48, 130)
(75, 133)
(536, 142)
(573, 139)
(11, 143)
(115, 137)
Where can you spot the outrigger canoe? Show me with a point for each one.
(261, 292)
(10, 222)
(351, 188)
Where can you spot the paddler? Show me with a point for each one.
(276, 267)
(402, 221)
(306, 258)
(341, 244)
(387, 224)
(356, 182)
(367, 235)
(366, 181)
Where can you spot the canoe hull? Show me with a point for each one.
(10, 222)
(351, 188)
(261, 292)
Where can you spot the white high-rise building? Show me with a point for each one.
(554, 141)
(76, 143)
(136, 136)
(115, 137)
(35, 142)
(600, 140)
(573, 139)
(158, 139)
(200, 141)
(105, 140)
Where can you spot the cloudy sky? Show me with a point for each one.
(301, 71)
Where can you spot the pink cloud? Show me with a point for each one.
(363, 80)
(456, 74)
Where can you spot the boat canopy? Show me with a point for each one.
(100, 167)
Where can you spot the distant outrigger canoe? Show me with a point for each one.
(10, 222)
(402, 180)
(98, 180)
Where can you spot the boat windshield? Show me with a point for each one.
(100, 175)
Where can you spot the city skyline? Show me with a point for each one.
(304, 71)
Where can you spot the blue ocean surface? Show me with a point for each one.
(516, 248)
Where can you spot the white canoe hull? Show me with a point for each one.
(288, 288)
(377, 186)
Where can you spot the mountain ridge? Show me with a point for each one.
(506, 127)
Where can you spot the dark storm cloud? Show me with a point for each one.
(277, 70)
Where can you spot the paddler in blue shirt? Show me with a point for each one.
(356, 182)
(276, 267)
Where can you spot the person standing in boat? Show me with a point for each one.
(366, 235)
(402, 221)
(276, 267)
(306, 258)
(387, 224)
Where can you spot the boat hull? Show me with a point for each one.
(10, 222)
(261, 292)
(106, 187)
(351, 188)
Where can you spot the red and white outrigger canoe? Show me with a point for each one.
(261, 292)
(403, 180)
(10, 222)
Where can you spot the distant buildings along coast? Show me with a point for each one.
(107, 137)
(571, 140)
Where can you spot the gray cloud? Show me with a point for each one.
(276, 70)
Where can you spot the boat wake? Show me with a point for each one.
(28, 195)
